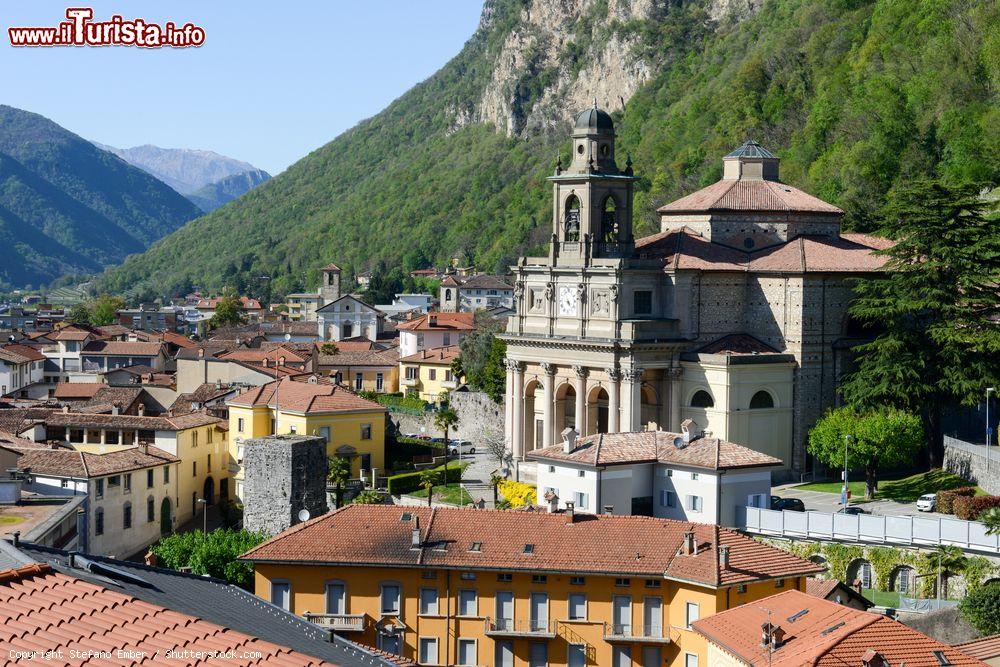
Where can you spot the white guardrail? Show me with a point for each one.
(873, 529)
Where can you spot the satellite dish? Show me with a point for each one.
(678, 442)
(303, 515)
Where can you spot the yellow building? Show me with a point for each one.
(303, 306)
(428, 373)
(516, 589)
(198, 439)
(359, 365)
(354, 427)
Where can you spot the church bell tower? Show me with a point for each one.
(592, 197)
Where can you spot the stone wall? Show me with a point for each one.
(477, 416)
(282, 476)
(971, 462)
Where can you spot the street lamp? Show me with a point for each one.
(277, 383)
(204, 515)
(843, 495)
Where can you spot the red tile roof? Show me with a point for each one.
(848, 253)
(63, 462)
(647, 446)
(442, 322)
(43, 610)
(984, 649)
(71, 334)
(594, 544)
(20, 353)
(122, 348)
(826, 635)
(435, 355)
(260, 355)
(211, 303)
(305, 397)
(144, 423)
(77, 390)
(749, 195)
(736, 344)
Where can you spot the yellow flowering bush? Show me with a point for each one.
(518, 494)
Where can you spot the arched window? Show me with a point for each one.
(702, 399)
(572, 219)
(609, 221)
(860, 570)
(903, 580)
(761, 401)
(447, 295)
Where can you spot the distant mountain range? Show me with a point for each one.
(204, 177)
(68, 207)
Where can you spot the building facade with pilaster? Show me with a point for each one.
(733, 315)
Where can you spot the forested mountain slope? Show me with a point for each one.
(856, 96)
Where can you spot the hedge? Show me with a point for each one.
(410, 481)
(946, 499)
(969, 508)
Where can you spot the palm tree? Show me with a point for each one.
(428, 479)
(949, 560)
(991, 518)
(338, 472)
(445, 419)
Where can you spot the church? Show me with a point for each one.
(733, 315)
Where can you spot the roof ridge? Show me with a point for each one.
(427, 534)
(833, 641)
(83, 462)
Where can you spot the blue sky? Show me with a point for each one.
(273, 81)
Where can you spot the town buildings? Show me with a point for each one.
(689, 476)
(362, 365)
(428, 374)
(432, 330)
(348, 317)
(21, 366)
(475, 587)
(353, 427)
(251, 307)
(734, 314)
(480, 292)
(303, 306)
(793, 628)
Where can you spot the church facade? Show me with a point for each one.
(733, 315)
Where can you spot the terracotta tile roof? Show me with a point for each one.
(984, 649)
(483, 281)
(736, 344)
(434, 355)
(45, 610)
(823, 588)
(112, 330)
(76, 390)
(260, 355)
(71, 334)
(63, 462)
(648, 446)
(203, 394)
(331, 267)
(305, 397)
(379, 358)
(170, 423)
(749, 195)
(450, 281)
(121, 397)
(595, 544)
(170, 337)
(122, 348)
(684, 250)
(20, 353)
(211, 303)
(11, 441)
(15, 420)
(826, 635)
(442, 322)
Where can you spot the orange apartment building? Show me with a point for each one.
(516, 588)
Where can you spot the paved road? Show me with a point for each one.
(830, 502)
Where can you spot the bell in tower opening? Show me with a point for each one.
(592, 204)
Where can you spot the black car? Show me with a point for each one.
(851, 510)
(790, 504)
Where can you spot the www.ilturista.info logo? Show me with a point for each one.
(81, 30)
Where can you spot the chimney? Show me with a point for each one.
(724, 557)
(873, 658)
(569, 436)
(114, 409)
(771, 635)
(708, 433)
(415, 534)
(265, 362)
(65, 409)
(201, 353)
(570, 512)
(432, 319)
(553, 500)
(689, 429)
(144, 447)
(690, 548)
(142, 409)
(17, 538)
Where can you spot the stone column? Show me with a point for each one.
(674, 422)
(632, 403)
(517, 413)
(508, 408)
(614, 401)
(581, 399)
(548, 380)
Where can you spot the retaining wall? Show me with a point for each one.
(974, 463)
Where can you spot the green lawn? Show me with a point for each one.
(903, 490)
(446, 494)
(10, 519)
(882, 598)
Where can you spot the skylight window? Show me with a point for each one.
(529, 548)
(476, 546)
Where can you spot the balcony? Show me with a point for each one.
(449, 384)
(508, 627)
(409, 382)
(643, 634)
(338, 622)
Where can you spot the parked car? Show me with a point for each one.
(790, 504)
(927, 502)
(466, 447)
(774, 502)
(852, 510)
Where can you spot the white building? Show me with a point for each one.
(407, 304)
(348, 317)
(20, 367)
(433, 330)
(63, 354)
(130, 492)
(687, 476)
(480, 292)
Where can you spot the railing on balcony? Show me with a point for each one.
(449, 384)
(409, 382)
(509, 627)
(338, 622)
(614, 632)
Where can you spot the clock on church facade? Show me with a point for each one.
(733, 315)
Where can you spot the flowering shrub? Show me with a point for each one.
(969, 509)
(518, 494)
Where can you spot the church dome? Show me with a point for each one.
(595, 121)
